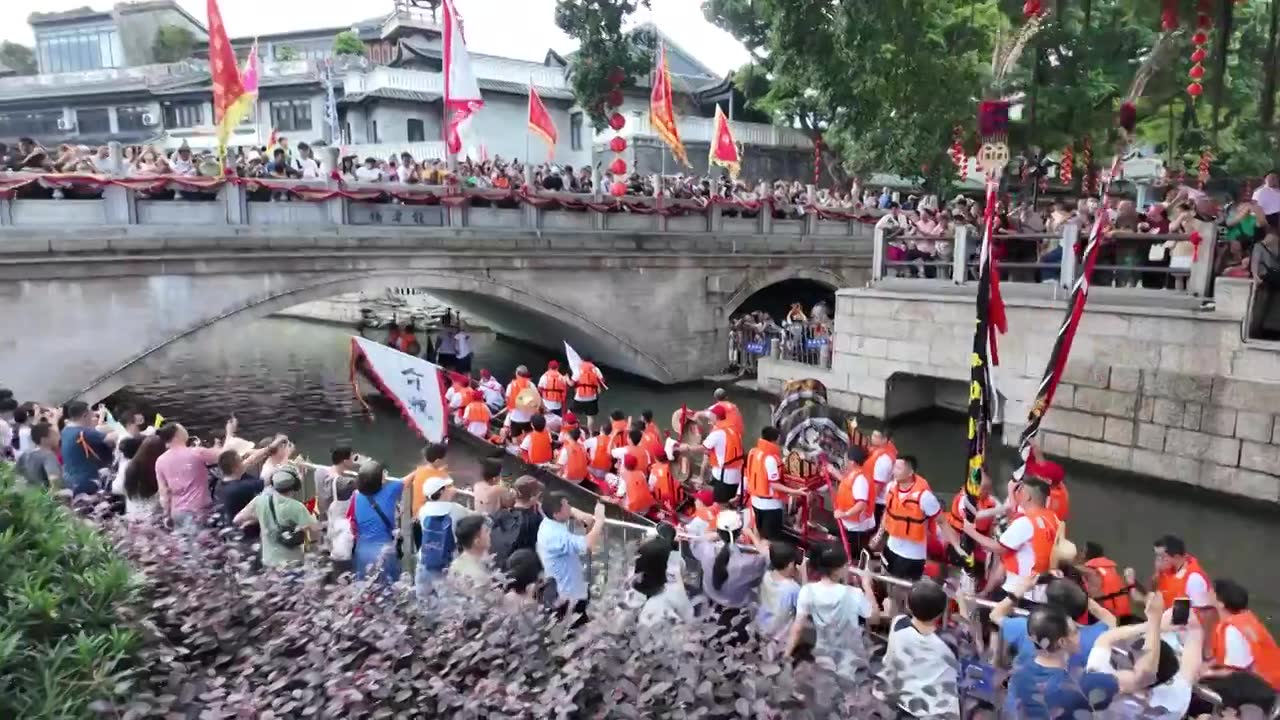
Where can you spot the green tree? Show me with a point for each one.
(347, 43)
(286, 53)
(18, 58)
(172, 43)
(603, 46)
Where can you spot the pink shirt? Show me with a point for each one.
(183, 472)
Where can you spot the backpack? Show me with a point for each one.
(438, 543)
(504, 535)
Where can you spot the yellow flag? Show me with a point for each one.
(159, 421)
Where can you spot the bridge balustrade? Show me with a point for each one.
(1160, 265)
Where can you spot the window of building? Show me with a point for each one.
(32, 124)
(183, 115)
(372, 134)
(79, 48)
(575, 131)
(417, 132)
(93, 121)
(133, 117)
(291, 115)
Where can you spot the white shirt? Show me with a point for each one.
(889, 221)
(364, 173)
(861, 493)
(718, 442)
(1197, 589)
(1268, 198)
(1017, 538)
(403, 172)
(310, 168)
(883, 472)
(24, 440)
(907, 549)
(463, 341)
(1168, 701)
(774, 473)
(447, 345)
(492, 391)
(1238, 654)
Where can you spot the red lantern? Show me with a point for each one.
(614, 99)
(1203, 22)
(618, 166)
(617, 75)
(618, 144)
(1196, 72)
(1199, 55)
(618, 189)
(1065, 166)
(1199, 38)
(1195, 89)
(617, 121)
(1031, 8)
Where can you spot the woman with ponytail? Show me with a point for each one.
(730, 572)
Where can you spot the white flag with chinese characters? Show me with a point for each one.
(412, 383)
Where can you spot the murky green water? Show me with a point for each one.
(291, 376)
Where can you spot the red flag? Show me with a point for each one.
(461, 91)
(662, 109)
(223, 69)
(724, 150)
(540, 122)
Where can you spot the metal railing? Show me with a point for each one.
(1157, 263)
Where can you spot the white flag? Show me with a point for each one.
(575, 360)
(461, 91)
(411, 382)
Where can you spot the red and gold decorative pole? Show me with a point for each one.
(1065, 166)
(1200, 40)
(617, 121)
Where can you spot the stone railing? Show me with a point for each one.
(1123, 259)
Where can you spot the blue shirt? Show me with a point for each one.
(561, 554)
(1041, 693)
(369, 526)
(1014, 632)
(81, 461)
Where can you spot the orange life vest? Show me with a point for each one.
(1173, 585)
(639, 498)
(903, 516)
(758, 484)
(1059, 500)
(956, 516)
(652, 440)
(518, 383)
(618, 431)
(418, 480)
(601, 459)
(405, 342)
(588, 383)
(733, 416)
(643, 460)
(1266, 656)
(1113, 591)
(575, 463)
(869, 467)
(476, 412)
(707, 514)
(553, 387)
(539, 447)
(733, 456)
(1044, 536)
(845, 499)
(668, 492)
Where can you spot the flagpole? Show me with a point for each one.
(529, 114)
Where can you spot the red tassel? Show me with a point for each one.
(1128, 117)
(1195, 239)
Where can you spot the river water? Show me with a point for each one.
(291, 376)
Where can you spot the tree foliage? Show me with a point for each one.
(18, 58)
(286, 53)
(172, 43)
(603, 45)
(347, 43)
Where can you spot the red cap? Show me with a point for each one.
(553, 365)
(705, 496)
(1047, 470)
(570, 419)
(719, 412)
(484, 373)
(629, 462)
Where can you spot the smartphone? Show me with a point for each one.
(1181, 611)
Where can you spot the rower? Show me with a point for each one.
(568, 422)
(1026, 547)
(652, 438)
(667, 491)
(634, 448)
(633, 487)
(984, 520)
(599, 461)
(618, 427)
(1054, 476)
(1240, 641)
(705, 510)
(723, 445)
(476, 414)
(1179, 575)
(909, 506)
(456, 396)
(492, 391)
(573, 460)
(408, 342)
(587, 381)
(855, 503)
(765, 486)
(1107, 584)
(878, 468)
(732, 413)
(536, 447)
(553, 388)
(518, 417)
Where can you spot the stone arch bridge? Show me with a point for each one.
(86, 310)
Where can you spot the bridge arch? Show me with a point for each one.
(816, 281)
(542, 319)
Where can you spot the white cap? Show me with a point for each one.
(434, 485)
(729, 521)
